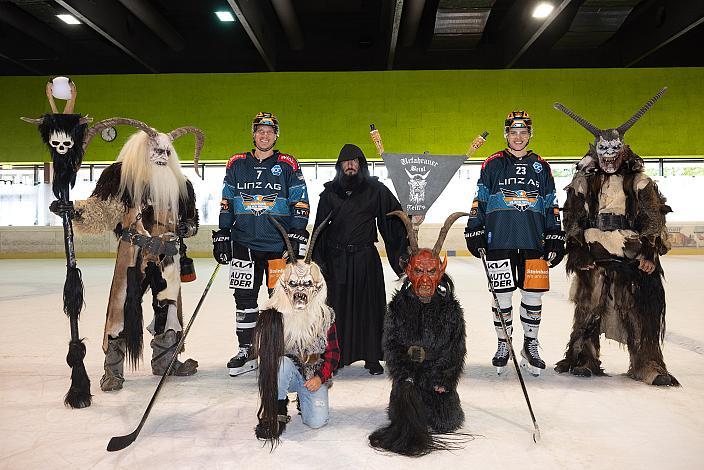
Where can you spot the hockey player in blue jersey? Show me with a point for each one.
(515, 218)
(258, 184)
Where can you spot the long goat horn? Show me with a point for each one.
(580, 120)
(289, 248)
(412, 239)
(110, 122)
(314, 237)
(200, 139)
(639, 114)
(446, 228)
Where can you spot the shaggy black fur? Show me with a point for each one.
(78, 395)
(416, 411)
(133, 317)
(636, 299)
(73, 292)
(65, 166)
(269, 345)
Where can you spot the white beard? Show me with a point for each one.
(164, 193)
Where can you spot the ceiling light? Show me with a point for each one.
(225, 16)
(542, 10)
(68, 19)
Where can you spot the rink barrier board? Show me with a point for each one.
(47, 242)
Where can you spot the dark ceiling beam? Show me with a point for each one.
(148, 15)
(395, 25)
(110, 20)
(538, 32)
(20, 64)
(251, 17)
(289, 22)
(411, 21)
(27, 24)
(657, 28)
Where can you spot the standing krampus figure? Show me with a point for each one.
(425, 346)
(615, 227)
(296, 341)
(149, 204)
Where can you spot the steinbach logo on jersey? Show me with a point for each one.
(258, 204)
(520, 199)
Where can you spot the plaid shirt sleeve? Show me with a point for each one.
(331, 356)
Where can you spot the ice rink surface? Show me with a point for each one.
(206, 421)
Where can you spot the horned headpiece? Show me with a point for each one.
(425, 269)
(154, 135)
(608, 143)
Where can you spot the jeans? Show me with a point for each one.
(314, 405)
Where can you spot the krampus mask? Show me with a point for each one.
(160, 144)
(608, 143)
(425, 269)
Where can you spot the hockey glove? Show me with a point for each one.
(554, 247)
(222, 246)
(299, 242)
(475, 239)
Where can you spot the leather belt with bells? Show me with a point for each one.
(416, 353)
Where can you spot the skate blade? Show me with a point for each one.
(248, 366)
(534, 371)
(500, 370)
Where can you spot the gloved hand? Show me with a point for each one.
(58, 207)
(185, 230)
(299, 242)
(554, 247)
(222, 246)
(475, 239)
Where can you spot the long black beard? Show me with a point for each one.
(350, 182)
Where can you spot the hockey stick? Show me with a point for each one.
(120, 442)
(536, 431)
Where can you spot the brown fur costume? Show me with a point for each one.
(610, 293)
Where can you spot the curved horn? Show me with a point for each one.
(580, 120)
(68, 108)
(50, 96)
(33, 120)
(446, 228)
(289, 248)
(200, 139)
(110, 122)
(628, 124)
(412, 240)
(314, 237)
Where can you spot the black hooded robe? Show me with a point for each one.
(351, 263)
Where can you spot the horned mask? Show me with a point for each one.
(608, 143)
(425, 269)
(301, 280)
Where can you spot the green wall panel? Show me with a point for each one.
(438, 111)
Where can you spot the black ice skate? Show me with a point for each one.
(531, 359)
(501, 357)
(244, 361)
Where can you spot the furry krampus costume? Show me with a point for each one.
(615, 226)
(296, 328)
(425, 346)
(146, 200)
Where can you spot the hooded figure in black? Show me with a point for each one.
(351, 265)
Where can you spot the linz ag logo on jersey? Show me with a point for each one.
(520, 199)
(519, 180)
(259, 185)
(257, 203)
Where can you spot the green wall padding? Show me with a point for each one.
(437, 111)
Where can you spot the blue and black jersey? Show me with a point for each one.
(253, 190)
(515, 203)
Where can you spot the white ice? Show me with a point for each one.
(207, 420)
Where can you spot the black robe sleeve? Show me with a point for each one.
(323, 211)
(392, 230)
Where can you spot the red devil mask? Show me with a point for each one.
(425, 270)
